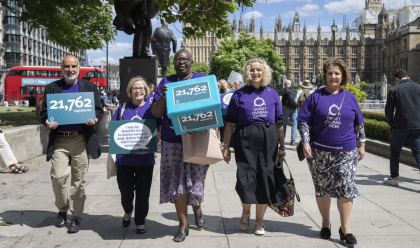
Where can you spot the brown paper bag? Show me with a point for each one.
(202, 147)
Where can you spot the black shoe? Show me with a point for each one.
(126, 223)
(349, 238)
(141, 230)
(181, 234)
(74, 226)
(326, 232)
(61, 219)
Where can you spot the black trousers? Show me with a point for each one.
(138, 179)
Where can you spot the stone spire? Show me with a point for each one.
(296, 23)
(241, 24)
(279, 25)
(261, 31)
(234, 27)
(252, 25)
(304, 32)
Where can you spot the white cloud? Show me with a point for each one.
(345, 6)
(111, 60)
(306, 10)
(121, 48)
(256, 14)
(273, 17)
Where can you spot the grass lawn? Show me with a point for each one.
(15, 118)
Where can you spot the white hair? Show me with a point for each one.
(286, 83)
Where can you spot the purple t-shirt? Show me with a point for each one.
(254, 106)
(133, 112)
(71, 127)
(340, 135)
(168, 132)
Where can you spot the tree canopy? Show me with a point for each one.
(233, 54)
(81, 24)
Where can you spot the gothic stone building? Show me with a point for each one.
(380, 41)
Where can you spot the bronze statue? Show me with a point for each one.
(133, 16)
(161, 40)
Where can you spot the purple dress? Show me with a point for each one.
(176, 177)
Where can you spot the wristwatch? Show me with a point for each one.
(282, 148)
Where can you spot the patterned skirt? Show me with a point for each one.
(333, 173)
(179, 178)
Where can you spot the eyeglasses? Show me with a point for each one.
(182, 60)
(138, 89)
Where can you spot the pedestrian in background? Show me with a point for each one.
(70, 146)
(7, 159)
(289, 105)
(307, 89)
(109, 103)
(135, 171)
(403, 117)
(180, 183)
(256, 113)
(334, 151)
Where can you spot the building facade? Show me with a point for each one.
(379, 41)
(23, 45)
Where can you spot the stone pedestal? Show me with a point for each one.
(131, 67)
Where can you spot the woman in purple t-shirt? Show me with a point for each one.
(333, 152)
(135, 171)
(256, 111)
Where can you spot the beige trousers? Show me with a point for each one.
(70, 157)
(6, 155)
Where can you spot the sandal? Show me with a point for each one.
(15, 171)
(180, 235)
(23, 168)
(245, 221)
(199, 220)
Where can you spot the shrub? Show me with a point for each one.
(356, 90)
(377, 129)
(374, 115)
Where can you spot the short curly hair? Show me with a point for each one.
(246, 74)
(131, 83)
(343, 67)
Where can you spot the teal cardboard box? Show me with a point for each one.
(194, 104)
(135, 136)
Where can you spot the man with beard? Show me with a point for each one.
(70, 146)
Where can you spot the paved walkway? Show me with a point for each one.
(384, 216)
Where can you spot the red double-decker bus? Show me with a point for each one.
(21, 80)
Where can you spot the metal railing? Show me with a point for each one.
(373, 104)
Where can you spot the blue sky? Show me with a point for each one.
(311, 12)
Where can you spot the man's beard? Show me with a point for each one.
(72, 77)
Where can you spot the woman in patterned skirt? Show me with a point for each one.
(180, 183)
(333, 152)
(256, 113)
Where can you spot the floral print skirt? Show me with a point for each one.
(179, 178)
(333, 173)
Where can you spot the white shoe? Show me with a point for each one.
(259, 228)
(392, 181)
(245, 221)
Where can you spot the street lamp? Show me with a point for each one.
(333, 30)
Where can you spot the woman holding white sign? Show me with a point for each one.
(135, 171)
(256, 113)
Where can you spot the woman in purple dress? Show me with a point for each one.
(135, 171)
(256, 113)
(331, 125)
(180, 183)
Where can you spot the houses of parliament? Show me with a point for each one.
(380, 41)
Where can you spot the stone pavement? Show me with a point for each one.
(384, 216)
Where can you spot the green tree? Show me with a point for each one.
(201, 67)
(356, 90)
(82, 24)
(233, 54)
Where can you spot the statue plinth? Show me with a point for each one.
(130, 67)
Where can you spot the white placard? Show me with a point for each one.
(234, 76)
